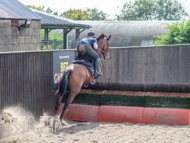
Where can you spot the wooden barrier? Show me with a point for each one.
(26, 80)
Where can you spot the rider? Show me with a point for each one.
(87, 47)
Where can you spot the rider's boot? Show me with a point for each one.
(96, 73)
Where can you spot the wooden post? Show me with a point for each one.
(65, 38)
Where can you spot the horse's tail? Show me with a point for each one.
(64, 81)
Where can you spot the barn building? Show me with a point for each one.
(126, 33)
(51, 23)
(19, 27)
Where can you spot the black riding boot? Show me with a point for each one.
(96, 73)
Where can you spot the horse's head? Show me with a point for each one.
(103, 45)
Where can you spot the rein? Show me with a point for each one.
(101, 51)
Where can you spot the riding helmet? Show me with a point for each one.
(91, 34)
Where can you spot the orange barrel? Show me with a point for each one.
(120, 114)
(78, 112)
(166, 116)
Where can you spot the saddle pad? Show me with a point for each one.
(88, 65)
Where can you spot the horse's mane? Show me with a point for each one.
(100, 37)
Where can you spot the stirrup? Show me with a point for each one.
(93, 81)
(86, 85)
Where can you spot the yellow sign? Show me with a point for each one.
(63, 66)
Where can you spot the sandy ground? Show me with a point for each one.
(13, 129)
(91, 132)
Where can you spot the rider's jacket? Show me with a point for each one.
(88, 40)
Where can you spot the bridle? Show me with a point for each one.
(104, 52)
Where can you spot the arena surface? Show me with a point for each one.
(93, 132)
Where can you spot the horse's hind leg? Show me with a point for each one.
(74, 85)
(69, 101)
(58, 101)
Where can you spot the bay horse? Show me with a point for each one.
(77, 75)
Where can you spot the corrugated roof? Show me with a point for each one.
(13, 9)
(54, 21)
(126, 33)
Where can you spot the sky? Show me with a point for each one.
(111, 7)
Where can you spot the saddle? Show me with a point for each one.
(87, 64)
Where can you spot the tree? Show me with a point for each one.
(169, 10)
(87, 14)
(49, 10)
(42, 8)
(178, 33)
(94, 14)
(152, 10)
(75, 14)
(139, 10)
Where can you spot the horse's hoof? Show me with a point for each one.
(60, 125)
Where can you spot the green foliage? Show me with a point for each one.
(54, 36)
(86, 14)
(130, 100)
(179, 33)
(139, 10)
(46, 47)
(54, 40)
(152, 10)
(94, 14)
(76, 14)
(170, 10)
(49, 10)
(42, 8)
(42, 34)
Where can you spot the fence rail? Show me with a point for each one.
(156, 65)
(26, 79)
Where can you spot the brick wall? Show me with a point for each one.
(25, 40)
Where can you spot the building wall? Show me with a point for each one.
(25, 40)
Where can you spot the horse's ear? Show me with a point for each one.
(109, 38)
